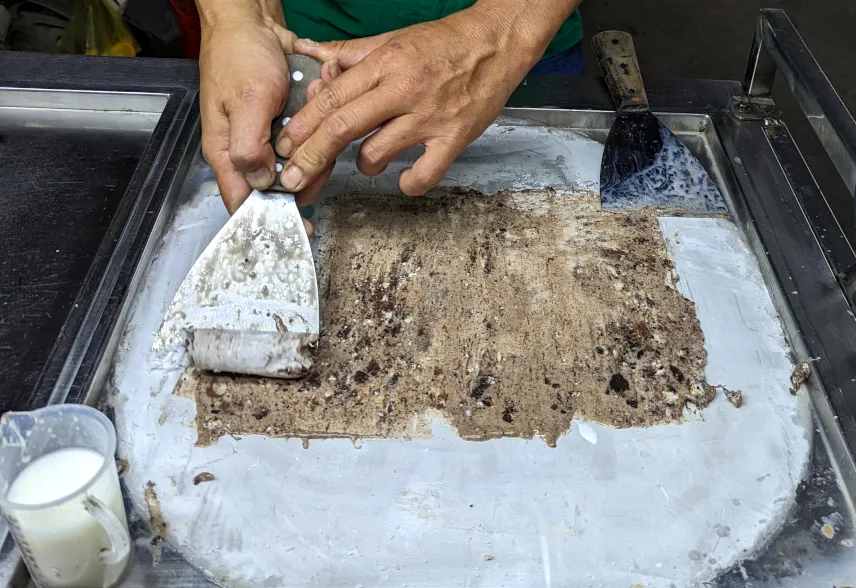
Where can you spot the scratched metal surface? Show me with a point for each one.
(395, 512)
(799, 555)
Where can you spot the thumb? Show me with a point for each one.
(347, 53)
(286, 38)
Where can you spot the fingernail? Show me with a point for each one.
(284, 147)
(260, 178)
(310, 42)
(292, 177)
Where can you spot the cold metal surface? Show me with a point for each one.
(153, 118)
(530, 154)
(801, 556)
(66, 159)
(650, 473)
(586, 106)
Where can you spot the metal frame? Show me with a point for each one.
(815, 264)
(67, 374)
(778, 47)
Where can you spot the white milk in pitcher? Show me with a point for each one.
(65, 541)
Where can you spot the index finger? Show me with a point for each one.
(351, 122)
(334, 95)
(250, 118)
(234, 188)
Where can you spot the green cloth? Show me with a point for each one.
(336, 20)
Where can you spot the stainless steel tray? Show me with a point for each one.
(67, 159)
(89, 149)
(423, 512)
(374, 527)
(791, 252)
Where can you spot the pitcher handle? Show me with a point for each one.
(120, 543)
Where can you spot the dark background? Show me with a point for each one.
(698, 39)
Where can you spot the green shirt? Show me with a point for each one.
(335, 20)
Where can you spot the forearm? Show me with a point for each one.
(212, 12)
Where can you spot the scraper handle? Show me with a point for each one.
(303, 71)
(617, 58)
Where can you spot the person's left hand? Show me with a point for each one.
(439, 84)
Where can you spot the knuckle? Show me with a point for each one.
(340, 125)
(428, 177)
(287, 38)
(311, 157)
(330, 98)
(336, 47)
(253, 91)
(372, 153)
(392, 51)
(244, 153)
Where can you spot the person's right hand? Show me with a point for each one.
(243, 87)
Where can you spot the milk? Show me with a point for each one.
(54, 476)
(63, 542)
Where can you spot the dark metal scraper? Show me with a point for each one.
(644, 165)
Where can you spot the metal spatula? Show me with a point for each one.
(644, 165)
(249, 304)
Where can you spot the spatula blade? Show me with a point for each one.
(646, 166)
(249, 305)
(250, 302)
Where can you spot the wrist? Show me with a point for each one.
(526, 27)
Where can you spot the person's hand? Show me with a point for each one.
(439, 84)
(243, 87)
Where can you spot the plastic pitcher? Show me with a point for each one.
(60, 495)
